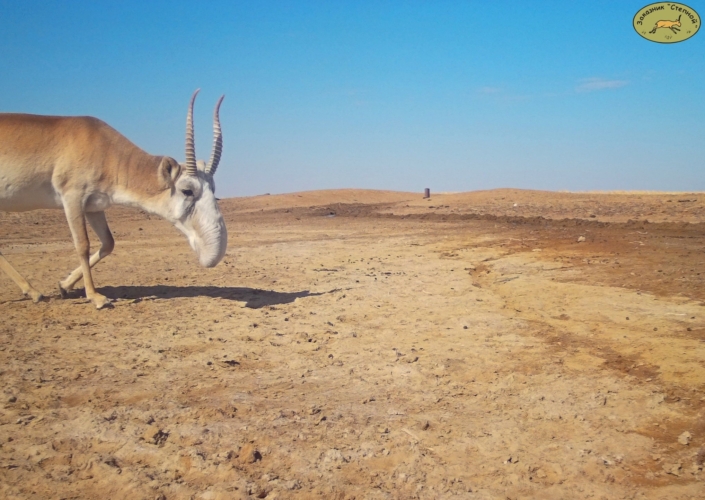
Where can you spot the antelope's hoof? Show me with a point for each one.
(34, 295)
(100, 301)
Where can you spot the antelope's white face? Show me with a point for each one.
(195, 213)
(192, 206)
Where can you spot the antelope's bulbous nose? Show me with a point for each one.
(215, 244)
(210, 262)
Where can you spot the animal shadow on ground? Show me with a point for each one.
(254, 298)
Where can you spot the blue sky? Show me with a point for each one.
(455, 96)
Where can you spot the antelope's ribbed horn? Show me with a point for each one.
(217, 140)
(190, 167)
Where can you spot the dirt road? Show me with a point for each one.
(359, 344)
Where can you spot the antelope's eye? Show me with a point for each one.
(187, 192)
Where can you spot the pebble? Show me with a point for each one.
(292, 485)
(249, 454)
(581, 239)
(674, 469)
(155, 435)
(685, 438)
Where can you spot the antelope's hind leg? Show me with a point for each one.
(77, 223)
(26, 288)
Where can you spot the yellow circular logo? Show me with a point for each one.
(666, 22)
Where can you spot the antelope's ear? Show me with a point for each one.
(169, 170)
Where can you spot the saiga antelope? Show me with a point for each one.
(83, 165)
(674, 26)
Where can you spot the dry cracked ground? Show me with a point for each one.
(361, 344)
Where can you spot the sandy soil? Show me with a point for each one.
(364, 344)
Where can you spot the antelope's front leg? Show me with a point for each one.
(107, 243)
(77, 223)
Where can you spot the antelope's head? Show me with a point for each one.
(193, 208)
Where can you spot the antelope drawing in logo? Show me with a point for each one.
(83, 165)
(674, 26)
